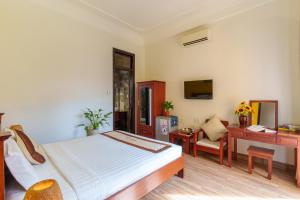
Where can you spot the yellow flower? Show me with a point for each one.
(244, 109)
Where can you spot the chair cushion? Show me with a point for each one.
(214, 129)
(208, 143)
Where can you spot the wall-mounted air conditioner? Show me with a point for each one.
(195, 36)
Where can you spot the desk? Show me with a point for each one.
(288, 139)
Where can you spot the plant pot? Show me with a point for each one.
(243, 121)
(91, 132)
(166, 113)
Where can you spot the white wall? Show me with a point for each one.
(55, 61)
(252, 55)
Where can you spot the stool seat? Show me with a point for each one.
(260, 153)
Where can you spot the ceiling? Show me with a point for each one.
(144, 15)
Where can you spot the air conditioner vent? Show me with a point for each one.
(195, 41)
(195, 36)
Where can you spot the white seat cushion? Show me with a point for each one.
(208, 143)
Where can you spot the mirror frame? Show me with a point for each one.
(266, 101)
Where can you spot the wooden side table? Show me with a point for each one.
(180, 135)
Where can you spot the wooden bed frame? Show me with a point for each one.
(3, 137)
(148, 183)
(134, 191)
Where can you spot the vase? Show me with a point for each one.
(243, 121)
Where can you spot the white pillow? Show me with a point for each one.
(13, 135)
(214, 129)
(19, 166)
(12, 147)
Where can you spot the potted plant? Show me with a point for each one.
(167, 106)
(96, 119)
(243, 111)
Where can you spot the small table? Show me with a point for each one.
(185, 137)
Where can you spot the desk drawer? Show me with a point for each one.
(287, 141)
(237, 133)
(261, 137)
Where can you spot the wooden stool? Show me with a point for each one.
(260, 153)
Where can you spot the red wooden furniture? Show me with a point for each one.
(1, 114)
(222, 142)
(186, 139)
(151, 95)
(283, 138)
(260, 152)
(3, 137)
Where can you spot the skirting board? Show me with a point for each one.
(276, 164)
(244, 157)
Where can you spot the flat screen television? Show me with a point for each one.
(202, 89)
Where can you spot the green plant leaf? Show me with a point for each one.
(96, 119)
(168, 105)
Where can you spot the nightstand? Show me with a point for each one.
(184, 137)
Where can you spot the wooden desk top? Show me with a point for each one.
(278, 133)
(288, 134)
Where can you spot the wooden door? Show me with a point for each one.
(123, 91)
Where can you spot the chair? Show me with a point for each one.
(206, 145)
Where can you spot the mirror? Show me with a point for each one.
(145, 106)
(265, 113)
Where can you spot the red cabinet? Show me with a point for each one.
(150, 95)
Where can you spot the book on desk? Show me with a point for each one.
(259, 128)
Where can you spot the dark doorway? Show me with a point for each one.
(124, 90)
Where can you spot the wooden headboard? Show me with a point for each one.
(3, 137)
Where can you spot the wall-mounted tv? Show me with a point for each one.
(202, 89)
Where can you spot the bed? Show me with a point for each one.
(100, 167)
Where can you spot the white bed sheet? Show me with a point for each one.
(96, 167)
(14, 191)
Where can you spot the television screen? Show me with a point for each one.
(202, 89)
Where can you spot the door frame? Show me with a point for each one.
(131, 87)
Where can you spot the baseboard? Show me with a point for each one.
(276, 164)
(260, 161)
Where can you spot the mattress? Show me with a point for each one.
(97, 167)
(45, 171)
